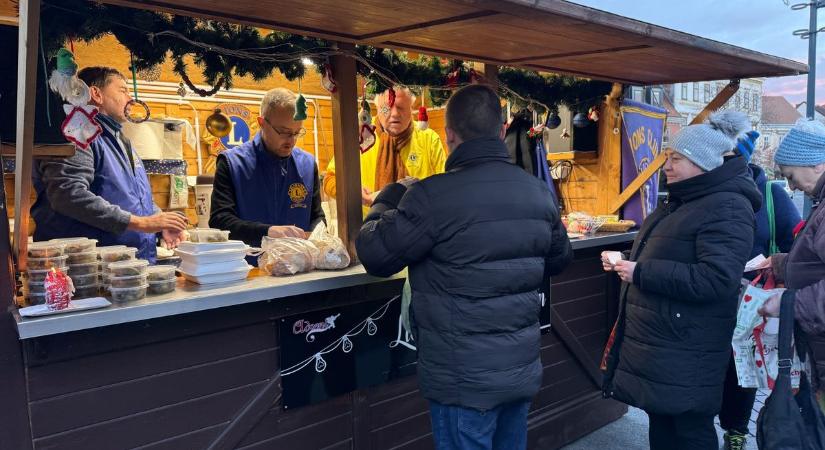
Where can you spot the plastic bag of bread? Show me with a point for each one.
(332, 254)
(287, 256)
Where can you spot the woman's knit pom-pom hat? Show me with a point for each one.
(704, 144)
(803, 146)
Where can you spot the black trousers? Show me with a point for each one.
(682, 432)
(737, 403)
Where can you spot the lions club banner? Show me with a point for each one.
(642, 129)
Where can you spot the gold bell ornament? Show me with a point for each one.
(218, 124)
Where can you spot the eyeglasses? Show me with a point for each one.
(286, 134)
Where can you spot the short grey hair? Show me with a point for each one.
(278, 98)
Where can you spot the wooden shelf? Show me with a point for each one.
(42, 150)
(573, 156)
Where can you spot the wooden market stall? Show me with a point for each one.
(221, 367)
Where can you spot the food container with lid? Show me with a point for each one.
(90, 290)
(111, 255)
(120, 295)
(161, 273)
(208, 235)
(47, 263)
(127, 268)
(77, 245)
(35, 287)
(46, 249)
(162, 287)
(39, 276)
(128, 281)
(82, 258)
(85, 280)
(84, 269)
(36, 298)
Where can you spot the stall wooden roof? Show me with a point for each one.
(546, 35)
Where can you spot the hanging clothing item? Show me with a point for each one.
(118, 185)
(528, 153)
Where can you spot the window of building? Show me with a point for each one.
(684, 91)
(755, 102)
(746, 100)
(638, 94)
(695, 92)
(707, 92)
(657, 97)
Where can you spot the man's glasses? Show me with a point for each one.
(286, 134)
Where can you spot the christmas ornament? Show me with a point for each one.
(366, 135)
(423, 119)
(182, 90)
(553, 121)
(580, 120)
(59, 290)
(80, 126)
(390, 97)
(535, 131)
(593, 114)
(134, 114)
(565, 134)
(452, 78)
(475, 78)
(300, 108)
(327, 81)
(218, 124)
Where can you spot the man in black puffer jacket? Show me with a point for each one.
(479, 242)
(670, 348)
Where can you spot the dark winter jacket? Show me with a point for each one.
(478, 240)
(785, 213)
(803, 272)
(672, 341)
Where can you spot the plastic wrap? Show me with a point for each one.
(332, 254)
(287, 256)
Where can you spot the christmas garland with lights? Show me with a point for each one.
(223, 50)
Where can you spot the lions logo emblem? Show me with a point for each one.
(297, 193)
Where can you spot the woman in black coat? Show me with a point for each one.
(671, 344)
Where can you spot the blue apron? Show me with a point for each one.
(272, 190)
(116, 182)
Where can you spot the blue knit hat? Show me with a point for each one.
(746, 144)
(704, 144)
(803, 146)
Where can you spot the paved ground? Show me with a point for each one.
(630, 432)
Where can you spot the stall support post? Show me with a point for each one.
(610, 149)
(721, 98)
(490, 72)
(347, 153)
(26, 92)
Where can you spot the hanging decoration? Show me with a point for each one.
(390, 97)
(565, 134)
(300, 105)
(366, 133)
(218, 124)
(182, 90)
(80, 126)
(222, 51)
(423, 118)
(593, 114)
(327, 81)
(130, 110)
(580, 120)
(553, 121)
(344, 342)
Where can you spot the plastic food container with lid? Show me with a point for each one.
(161, 273)
(82, 258)
(47, 263)
(33, 287)
(84, 269)
(85, 280)
(129, 281)
(162, 287)
(129, 294)
(77, 245)
(208, 235)
(46, 249)
(39, 276)
(127, 268)
(111, 255)
(90, 290)
(36, 298)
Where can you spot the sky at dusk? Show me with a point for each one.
(761, 25)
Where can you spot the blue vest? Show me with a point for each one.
(263, 193)
(115, 182)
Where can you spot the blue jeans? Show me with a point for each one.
(501, 428)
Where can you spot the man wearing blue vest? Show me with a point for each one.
(268, 186)
(102, 192)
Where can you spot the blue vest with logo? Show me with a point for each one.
(117, 183)
(272, 190)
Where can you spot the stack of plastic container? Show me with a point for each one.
(128, 279)
(161, 279)
(111, 254)
(211, 258)
(83, 269)
(43, 257)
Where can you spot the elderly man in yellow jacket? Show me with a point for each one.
(401, 149)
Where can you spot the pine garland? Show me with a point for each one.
(153, 36)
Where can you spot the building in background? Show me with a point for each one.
(778, 116)
(819, 111)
